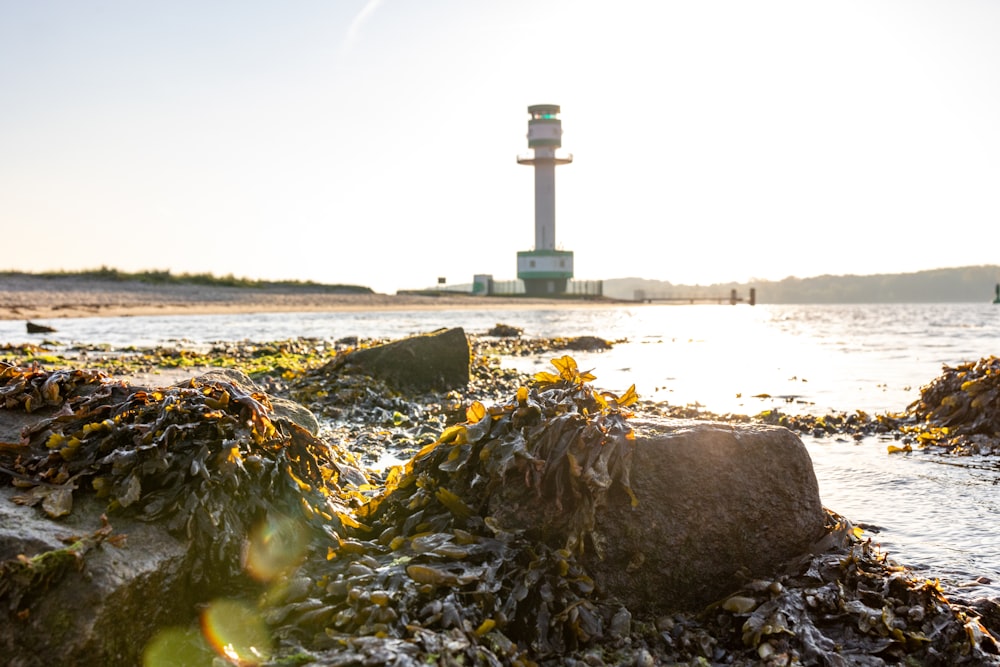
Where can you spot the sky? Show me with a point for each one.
(374, 142)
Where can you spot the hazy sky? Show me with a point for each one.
(373, 142)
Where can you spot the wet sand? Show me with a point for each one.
(25, 297)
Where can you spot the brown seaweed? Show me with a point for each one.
(205, 458)
(453, 542)
(958, 411)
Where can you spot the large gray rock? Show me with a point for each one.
(439, 360)
(83, 600)
(718, 504)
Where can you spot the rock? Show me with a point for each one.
(587, 343)
(39, 328)
(717, 503)
(505, 331)
(281, 407)
(436, 361)
(13, 421)
(987, 612)
(96, 609)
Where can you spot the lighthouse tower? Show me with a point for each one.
(545, 270)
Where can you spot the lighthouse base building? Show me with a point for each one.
(544, 272)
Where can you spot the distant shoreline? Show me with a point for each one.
(26, 297)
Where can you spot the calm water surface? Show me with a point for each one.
(934, 513)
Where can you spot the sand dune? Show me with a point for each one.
(26, 297)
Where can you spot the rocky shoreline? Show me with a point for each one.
(431, 574)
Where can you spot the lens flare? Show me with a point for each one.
(274, 546)
(236, 632)
(177, 647)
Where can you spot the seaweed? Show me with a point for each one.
(958, 411)
(205, 458)
(478, 535)
(468, 553)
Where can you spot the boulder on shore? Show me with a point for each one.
(435, 361)
(702, 507)
(39, 328)
(501, 330)
(717, 504)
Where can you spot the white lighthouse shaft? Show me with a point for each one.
(545, 203)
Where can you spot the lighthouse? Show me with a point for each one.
(544, 270)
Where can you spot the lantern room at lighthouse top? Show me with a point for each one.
(544, 127)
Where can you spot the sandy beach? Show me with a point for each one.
(26, 297)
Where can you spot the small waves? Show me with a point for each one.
(929, 512)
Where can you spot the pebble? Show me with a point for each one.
(644, 659)
(621, 623)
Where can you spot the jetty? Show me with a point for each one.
(732, 298)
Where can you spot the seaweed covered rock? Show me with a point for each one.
(280, 407)
(587, 343)
(717, 503)
(501, 330)
(471, 550)
(958, 410)
(428, 362)
(204, 467)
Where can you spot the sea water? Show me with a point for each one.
(931, 512)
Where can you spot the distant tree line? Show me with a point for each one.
(166, 277)
(962, 284)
